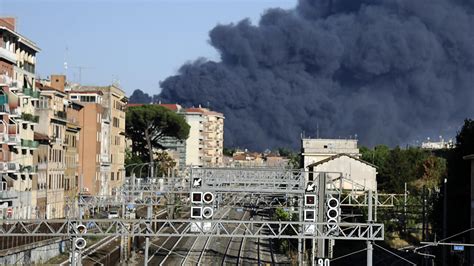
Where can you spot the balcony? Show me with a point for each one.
(36, 94)
(27, 92)
(3, 99)
(60, 115)
(30, 118)
(42, 166)
(13, 167)
(15, 112)
(58, 140)
(4, 109)
(30, 144)
(7, 55)
(34, 144)
(13, 140)
(8, 193)
(104, 159)
(28, 168)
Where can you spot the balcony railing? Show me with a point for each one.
(13, 167)
(34, 144)
(27, 143)
(3, 99)
(15, 112)
(35, 94)
(61, 115)
(4, 108)
(30, 117)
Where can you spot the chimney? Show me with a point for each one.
(8, 22)
(58, 82)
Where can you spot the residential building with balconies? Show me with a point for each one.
(205, 144)
(72, 177)
(112, 137)
(51, 110)
(18, 98)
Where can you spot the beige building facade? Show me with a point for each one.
(205, 144)
(18, 98)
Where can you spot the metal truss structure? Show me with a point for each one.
(232, 188)
(193, 228)
(380, 200)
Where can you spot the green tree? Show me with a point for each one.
(147, 125)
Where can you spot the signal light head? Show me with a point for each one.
(196, 197)
(333, 202)
(309, 216)
(207, 212)
(208, 197)
(310, 200)
(196, 212)
(80, 243)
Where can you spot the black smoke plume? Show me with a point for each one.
(390, 71)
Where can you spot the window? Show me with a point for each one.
(88, 99)
(116, 122)
(112, 176)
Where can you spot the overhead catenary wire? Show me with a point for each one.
(394, 254)
(350, 254)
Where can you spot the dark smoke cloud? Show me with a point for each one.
(387, 70)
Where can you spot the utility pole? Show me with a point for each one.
(445, 224)
(370, 248)
(321, 212)
(300, 241)
(405, 210)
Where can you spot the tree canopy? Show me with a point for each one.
(148, 125)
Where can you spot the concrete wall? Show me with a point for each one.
(36, 255)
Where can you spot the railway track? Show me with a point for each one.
(190, 251)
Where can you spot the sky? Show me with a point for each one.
(135, 43)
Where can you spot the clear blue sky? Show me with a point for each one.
(138, 43)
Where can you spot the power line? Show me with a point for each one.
(394, 254)
(350, 254)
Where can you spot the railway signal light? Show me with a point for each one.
(332, 213)
(310, 200)
(208, 197)
(207, 212)
(309, 215)
(196, 197)
(196, 212)
(80, 243)
(81, 229)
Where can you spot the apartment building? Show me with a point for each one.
(71, 142)
(103, 117)
(205, 144)
(18, 100)
(51, 110)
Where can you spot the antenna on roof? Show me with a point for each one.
(317, 130)
(80, 71)
(65, 61)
